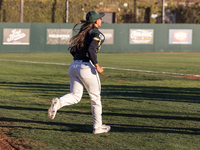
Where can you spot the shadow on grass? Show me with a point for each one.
(121, 92)
(109, 114)
(85, 128)
(154, 93)
(43, 89)
(155, 129)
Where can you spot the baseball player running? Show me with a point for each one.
(84, 70)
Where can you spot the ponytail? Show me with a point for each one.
(77, 41)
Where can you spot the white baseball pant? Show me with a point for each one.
(84, 74)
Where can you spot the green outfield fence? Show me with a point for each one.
(54, 37)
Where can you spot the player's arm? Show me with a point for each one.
(93, 57)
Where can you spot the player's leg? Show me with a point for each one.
(76, 92)
(75, 95)
(91, 81)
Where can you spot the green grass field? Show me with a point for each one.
(146, 111)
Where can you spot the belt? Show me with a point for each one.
(83, 60)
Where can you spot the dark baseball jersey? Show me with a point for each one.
(92, 45)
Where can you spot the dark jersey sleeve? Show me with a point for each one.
(99, 37)
(91, 51)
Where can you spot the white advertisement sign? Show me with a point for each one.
(58, 36)
(141, 36)
(15, 36)
(180, 36)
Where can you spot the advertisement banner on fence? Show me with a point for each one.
(141, 36)
(180, 36)
(109, 35)
(15, 36)
(58, 36)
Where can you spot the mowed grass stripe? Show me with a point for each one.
(144, 71)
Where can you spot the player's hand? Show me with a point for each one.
(99, 69)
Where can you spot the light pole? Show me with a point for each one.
(67, 10)
(21, 10)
